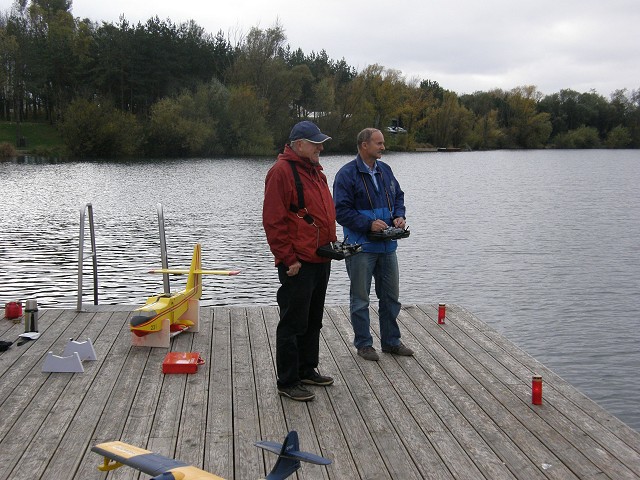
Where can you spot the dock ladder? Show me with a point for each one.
(81, 255)
(88, 208)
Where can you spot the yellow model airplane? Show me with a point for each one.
(165, 313)
(117, 454)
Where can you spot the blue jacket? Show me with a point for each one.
(359, 203)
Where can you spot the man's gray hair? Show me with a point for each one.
(365, 135)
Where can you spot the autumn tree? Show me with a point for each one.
(524, 125)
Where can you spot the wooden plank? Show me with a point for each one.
(399, 405)
(219, 420)
(168, 413)
(328, 429)
(361, 377)
(35, 455)
(298, 415)
(247, 459)
(14, 365)
(495, 411)
(113, 345)
(66, 457)
(190, 447)
(456, 460)
(271, 416)
(361, 447)
(38, 403)
(609, 452)
(131, 406)
(460, 408)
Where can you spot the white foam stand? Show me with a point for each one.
(71, 359)
(84, 349)
(70, 364)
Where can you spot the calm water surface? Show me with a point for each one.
(542, 245)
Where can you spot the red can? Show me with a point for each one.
(442, 311)
(12, 310)
(536, 390)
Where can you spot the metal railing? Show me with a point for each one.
(163, 251)
(81, 255)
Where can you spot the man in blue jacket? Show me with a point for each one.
(368, 198)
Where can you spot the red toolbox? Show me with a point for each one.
(181, 362)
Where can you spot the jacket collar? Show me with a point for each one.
(289, 155)
(363, 167)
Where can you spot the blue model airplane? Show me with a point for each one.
(289, 456)
(117, 454)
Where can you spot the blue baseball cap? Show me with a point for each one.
(309, 131)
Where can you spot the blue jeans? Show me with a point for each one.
(383, 267)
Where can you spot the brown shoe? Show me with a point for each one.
(400, 349)
(369, 353)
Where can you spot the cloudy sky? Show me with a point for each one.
(464, 45)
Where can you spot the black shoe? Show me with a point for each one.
(369, 353)
(296, 392)
(399, 349)
(316, 379)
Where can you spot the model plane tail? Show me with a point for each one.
(289, 456)
(194, 280)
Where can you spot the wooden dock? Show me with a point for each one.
(460, 408)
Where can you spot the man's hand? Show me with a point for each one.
(294, 269)
(399, 222)
(378, 226)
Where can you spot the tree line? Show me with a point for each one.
(165, 89)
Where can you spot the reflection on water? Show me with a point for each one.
(541, 245)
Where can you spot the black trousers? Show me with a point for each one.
(301, 302)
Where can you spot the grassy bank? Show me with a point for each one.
(39, 138)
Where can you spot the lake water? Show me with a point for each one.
(541, 245)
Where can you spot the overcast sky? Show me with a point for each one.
(464, 45)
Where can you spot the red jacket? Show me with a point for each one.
(290, 237)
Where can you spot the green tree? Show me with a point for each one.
(179, 127)
(450, 123)
(99, 130)
(351, 113)
(581, 137)
(618, 137)
(52, 56)
(11, 73)
(486, 133)
(247, 124)
(383, 92)
(525, 126)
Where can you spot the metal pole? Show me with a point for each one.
(94, 257)
(80, 258)
(163, 251)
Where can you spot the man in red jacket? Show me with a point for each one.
(299, 216)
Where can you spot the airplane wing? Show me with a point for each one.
(179, 271)
(289, 456)
(275, 447)
(117, 454)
